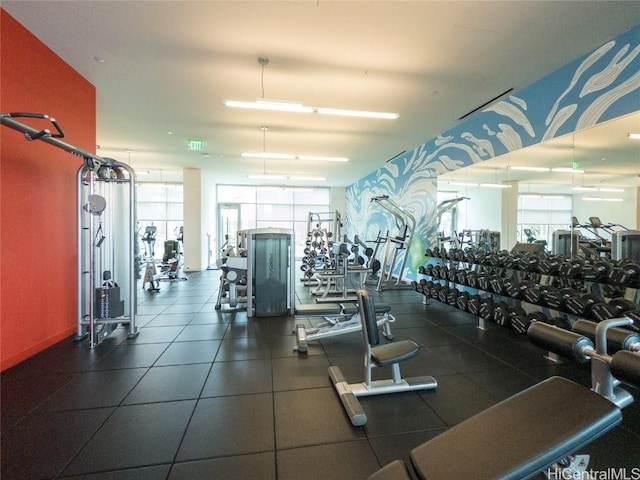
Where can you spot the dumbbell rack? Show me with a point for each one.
(515, 289)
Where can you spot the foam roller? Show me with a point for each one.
(625, 366)
(617, 338)
(559, 340)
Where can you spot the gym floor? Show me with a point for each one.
(206, 394)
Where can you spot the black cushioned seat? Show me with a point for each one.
(390, 353)
(519, 437)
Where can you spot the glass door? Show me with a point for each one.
(228, 224)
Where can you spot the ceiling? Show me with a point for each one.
(167, 66)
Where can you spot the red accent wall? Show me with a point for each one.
(37, 195)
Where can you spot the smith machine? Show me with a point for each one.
(106, 240)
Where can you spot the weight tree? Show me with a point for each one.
(106, 199)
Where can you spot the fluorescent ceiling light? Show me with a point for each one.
(274, 156)
(463, 184)
(611, 189)
(598, 189)
(356, 113)
(530, 169)
(548, 197)
(277, 105)
(297, 107)
(495, 185)
(266, 176)
(323, 159)
(311, 179)
(634, 136)
(600, 199)
(287, 156)
(566, 170)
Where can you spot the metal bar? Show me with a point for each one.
(93, 162)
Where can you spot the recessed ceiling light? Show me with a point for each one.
(98, 59)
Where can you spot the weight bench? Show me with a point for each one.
(376, 355)
(340, 318)
(532, 431)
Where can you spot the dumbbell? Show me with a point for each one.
(617, 338)
(549, 265)
(461, 277)
(517, 314)
(615, 308)
(442, 294)
(470, 254)
(452, 296)
(581, 304)
(501, 314)
(486, 308)
(424, 287)
(496, 284)
(462, 300)
(602, 268)
(473, 305)
(520, 323)
(483, 281)
(451, 274)
(472, 279)
(560, 322)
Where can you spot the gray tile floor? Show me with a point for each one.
(206, 394)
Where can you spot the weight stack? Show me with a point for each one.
(107, 303)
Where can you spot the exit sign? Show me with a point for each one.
(575, 165)
(195, 144)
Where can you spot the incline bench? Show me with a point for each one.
(340, 318)
(520, 437)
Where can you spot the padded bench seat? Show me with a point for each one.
(350, 308)
(520, 436)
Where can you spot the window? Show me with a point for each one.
(276, 207)
(541, 215)
(161, 206)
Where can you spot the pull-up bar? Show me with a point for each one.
(93, 162)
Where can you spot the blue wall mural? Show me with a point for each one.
(603, 85)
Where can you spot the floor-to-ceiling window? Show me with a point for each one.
(159, 206)
(541, 215)
(245, 207)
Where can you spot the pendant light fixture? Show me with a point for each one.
(297, 107)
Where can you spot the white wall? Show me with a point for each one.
(192, 205)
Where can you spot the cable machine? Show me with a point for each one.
(106, 237)
(396, 248)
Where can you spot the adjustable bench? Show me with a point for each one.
(340, 318)
(520, 437)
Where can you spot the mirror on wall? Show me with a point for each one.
(586, 183)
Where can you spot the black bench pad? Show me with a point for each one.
(520, 436)
(390, 353)
(311, 309)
